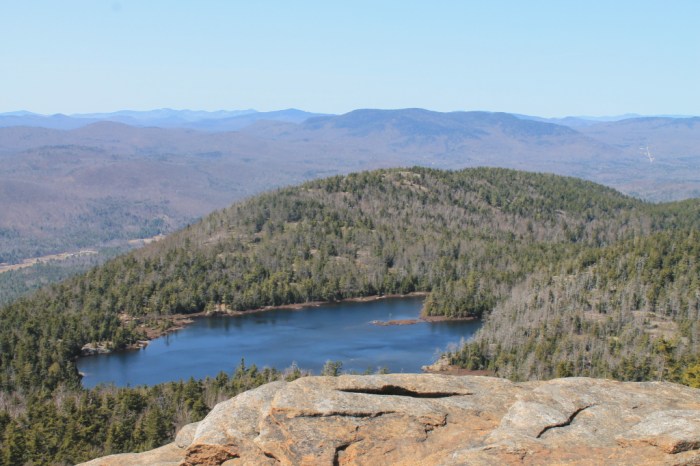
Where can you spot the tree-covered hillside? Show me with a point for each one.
(629, 311)
(469, 236)
(573, 278)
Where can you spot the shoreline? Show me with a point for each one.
(422, 319)
(176, 322)
(180, 321)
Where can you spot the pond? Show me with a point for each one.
(308, 337)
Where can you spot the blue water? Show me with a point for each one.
(308, 337)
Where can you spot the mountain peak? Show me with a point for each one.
(426, 123)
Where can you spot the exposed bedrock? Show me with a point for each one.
(429, 419)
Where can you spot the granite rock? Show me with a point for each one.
(431, 419)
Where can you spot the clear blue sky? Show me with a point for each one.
(548, 58)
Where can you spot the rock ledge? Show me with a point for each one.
(429, 419)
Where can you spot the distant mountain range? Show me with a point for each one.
(163, 118)
(77, 181)
(233, 120)
(578, 121)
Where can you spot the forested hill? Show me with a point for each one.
(573, 279)
(629, 311)
(468, 236)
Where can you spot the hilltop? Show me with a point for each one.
(407, 419)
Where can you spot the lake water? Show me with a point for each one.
(308, 337)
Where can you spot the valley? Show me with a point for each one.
(82, 188)
(44, 259)
(570, 277)
(470, 238)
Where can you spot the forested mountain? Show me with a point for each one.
(103, 182)
(62, 190)
(573, 277)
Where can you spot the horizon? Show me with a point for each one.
(244, 111)
(550, 59)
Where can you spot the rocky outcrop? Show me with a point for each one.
(429, 419)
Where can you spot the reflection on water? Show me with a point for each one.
(307, 337)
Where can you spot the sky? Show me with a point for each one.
(548, 58)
